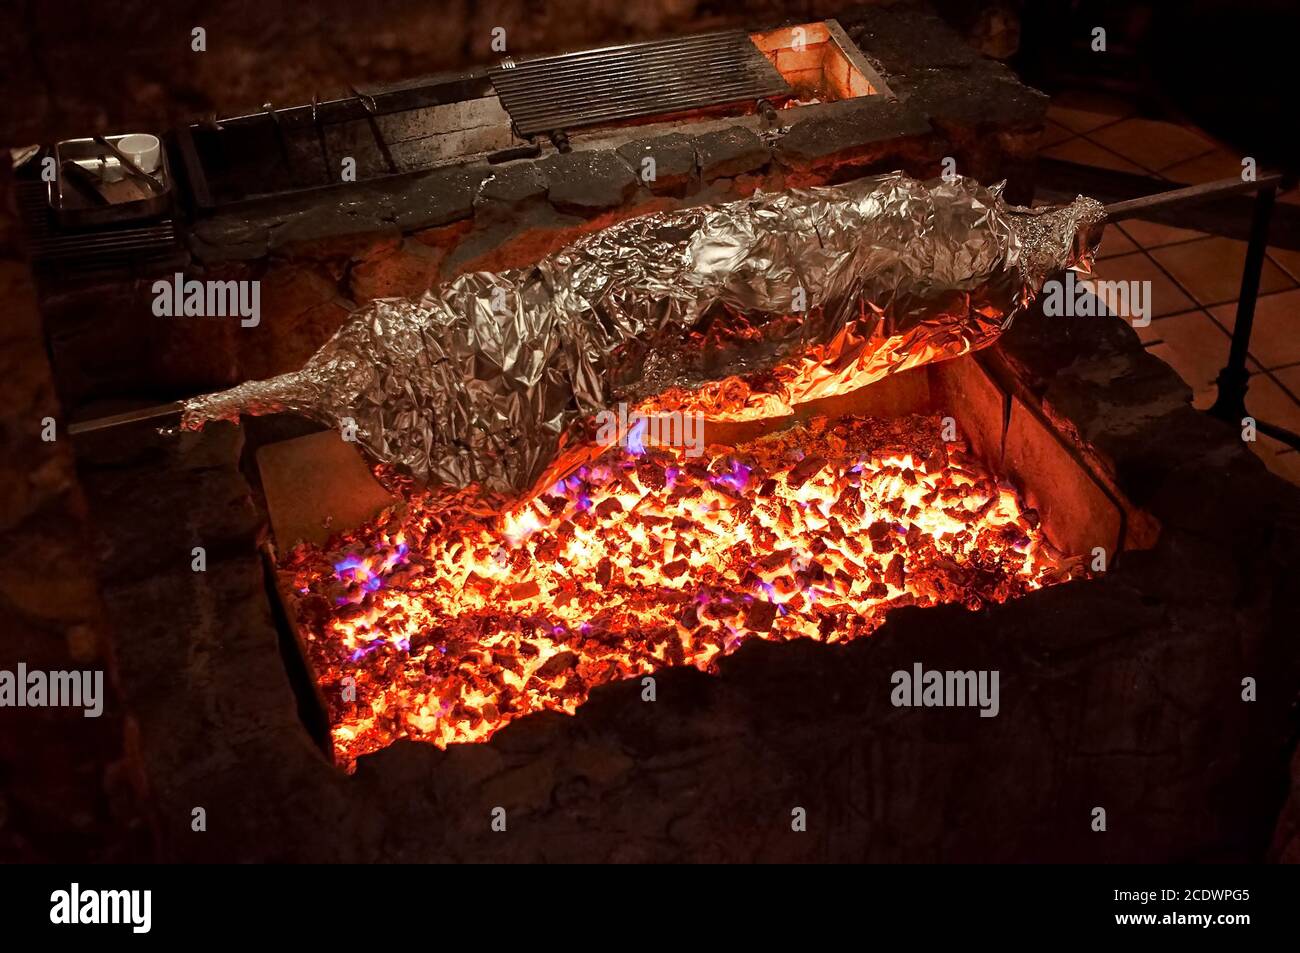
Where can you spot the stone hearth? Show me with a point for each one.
(1123, 691)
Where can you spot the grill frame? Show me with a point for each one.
(548, 94)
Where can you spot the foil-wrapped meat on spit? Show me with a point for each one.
(734, 311)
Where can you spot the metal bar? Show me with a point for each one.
(521, 75)
(166, 227)
(631, 110)
(1130, 208)
(1281, 434)
(84, 241)
(280, 139)
(649, 89)
(579, 74)
(1234, 380)
(334, 111)
(718, 95)
(320, 139)
(432, 89)
(620, 49)
(194, 167)
(1226, 215)
(76, 241)
(97, 251)
(533, 125)
(43, 251)
(130, 417)
(648, 86)
(104, 254)
(1250, 276)
(368, 104)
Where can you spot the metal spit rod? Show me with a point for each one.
(130, 417)
(1130, 208)
(1234, 380)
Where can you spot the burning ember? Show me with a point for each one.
(454, 622)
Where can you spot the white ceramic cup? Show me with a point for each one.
(142, 149)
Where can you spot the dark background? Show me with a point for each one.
(72, 68)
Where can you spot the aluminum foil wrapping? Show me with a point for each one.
(738, 310)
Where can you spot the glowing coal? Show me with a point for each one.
(442, 621)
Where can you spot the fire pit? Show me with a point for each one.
(455, 613)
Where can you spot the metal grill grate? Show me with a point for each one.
(553, 93)
(129, 247)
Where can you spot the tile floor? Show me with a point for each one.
(1195, 278)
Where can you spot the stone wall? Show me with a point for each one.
(69, 785)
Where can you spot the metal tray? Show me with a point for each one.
(72, 210)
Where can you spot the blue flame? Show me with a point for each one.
(737, 477)
(636, 437)
(359, 653)
(351, 562)
(353, 566)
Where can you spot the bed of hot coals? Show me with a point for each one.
(445, 619)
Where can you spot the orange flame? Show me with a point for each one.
(452, 623)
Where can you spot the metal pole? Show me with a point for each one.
(1233, 380)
